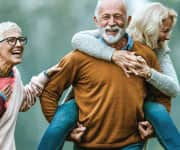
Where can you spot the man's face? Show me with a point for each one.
(165, 30)
(112, 21)
(9, 53)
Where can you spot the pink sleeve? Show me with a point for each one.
(33, 90)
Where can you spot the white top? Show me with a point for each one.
(22, 98)
(166, 82)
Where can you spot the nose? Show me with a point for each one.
(18, 43)
(111, 21)
(167, 37)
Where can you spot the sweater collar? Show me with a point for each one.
(129, 44)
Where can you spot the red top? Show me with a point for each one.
(5, 81)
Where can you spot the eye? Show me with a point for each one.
(11, 39)
(119, 17)
(165, 31)
(105, 17)
(22, 39)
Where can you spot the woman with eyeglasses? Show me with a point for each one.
(14, 96)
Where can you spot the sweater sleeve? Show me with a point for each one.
(32, 90)
(88, 42)
(57, 84)
(166, 81)
(154, 93)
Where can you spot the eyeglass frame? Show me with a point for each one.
(17, 39)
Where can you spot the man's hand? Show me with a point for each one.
(145, 129)
(77, 133)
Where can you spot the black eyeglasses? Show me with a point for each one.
(13, 40)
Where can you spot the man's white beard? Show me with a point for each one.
(110, 39)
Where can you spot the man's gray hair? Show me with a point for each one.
(6, 26)
(96, 12)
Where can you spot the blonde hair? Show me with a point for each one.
(145, 24)
(6, 26)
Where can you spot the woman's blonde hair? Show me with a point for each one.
(145, 24)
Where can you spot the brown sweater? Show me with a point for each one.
(110, 104)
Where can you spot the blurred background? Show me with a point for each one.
(49, 26)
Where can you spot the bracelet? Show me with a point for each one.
(148, 76)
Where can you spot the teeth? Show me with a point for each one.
(16, 53)
(111, 30)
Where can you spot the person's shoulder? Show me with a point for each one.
(138, 46)
(146, 52)
(75, 56)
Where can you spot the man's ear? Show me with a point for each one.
(96, 21)
(129, 20)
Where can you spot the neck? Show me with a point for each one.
(120, 44)
(5, 68)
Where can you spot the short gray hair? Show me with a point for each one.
(96, 12)
(6, 26)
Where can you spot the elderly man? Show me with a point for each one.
(110, 104)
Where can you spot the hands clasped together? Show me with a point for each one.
(131, 63)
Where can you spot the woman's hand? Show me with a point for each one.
(131, 63)
(124, 59)
(141, 68)
(53, 69)
(2, 107)
(6, 91)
